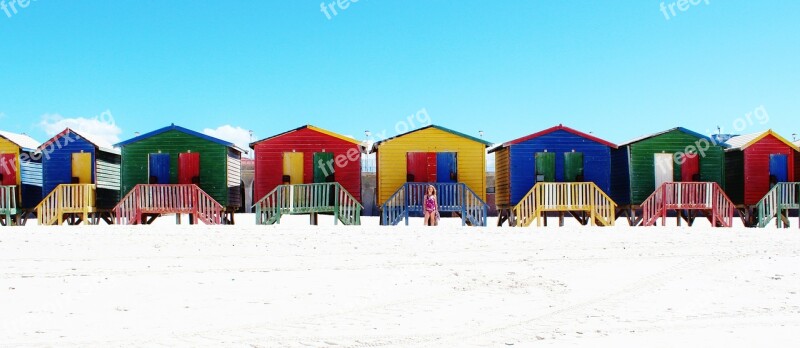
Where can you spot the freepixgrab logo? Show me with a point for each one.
(12, 7)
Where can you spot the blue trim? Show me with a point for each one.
(183, 130)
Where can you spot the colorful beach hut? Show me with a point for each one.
(455, 163)
(557, 169)
(20, 177)
(175, 170)
(80, 180)
(674, 170)
(760, 171)
(308, 170)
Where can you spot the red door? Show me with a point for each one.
(690, 168)
(421, 167)
(8, 169)
(189, 168)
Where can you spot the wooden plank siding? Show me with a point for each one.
(392, 159)
(107, 176)
(642, 166)
(29, 173)
(234, 167)
(596, 161)
(57, 160)
(213, 161)
(756, 167)
(620, 176)
(734, 176)
(502, 177)
(306, 140)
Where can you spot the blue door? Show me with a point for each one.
(779, 167)
(159, 168)
(446, 167)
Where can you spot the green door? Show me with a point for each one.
(323, 167)
(573, 167)
(545, 167)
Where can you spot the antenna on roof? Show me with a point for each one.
(794, 136)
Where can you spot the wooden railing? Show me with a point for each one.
(67, 199)
(565, 197)
(308, 199)
(452, 197)
(167, 199)
(8, 202)
(677, 196)
(781, 198)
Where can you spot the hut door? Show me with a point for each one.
(158, 168)
(779, 167)
(663, 168)
(8, 169)
(690, 168)
(545, 167)
(189, 168)
(573, 167)
(447, 167)
(324, 167)
(82, 168)
(292, 168)
(421, 167)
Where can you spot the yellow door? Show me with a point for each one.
(293, 168)
(82, 168)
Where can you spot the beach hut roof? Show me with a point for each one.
(314, 128)
(478, 140)
(69, 130)
(742, 142)
(551, 130)
(22, 140)
(680, 129)
(183, 130)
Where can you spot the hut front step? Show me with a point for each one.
(309, 199)
(777, 204)
(458, 198)
(74, 203)
(705, 197)
(583, 200)
(145, 202)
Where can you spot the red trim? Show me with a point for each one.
(558, 128)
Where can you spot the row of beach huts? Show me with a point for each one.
(557, 172)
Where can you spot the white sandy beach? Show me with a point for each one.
(295, 285)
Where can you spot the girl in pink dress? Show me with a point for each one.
(431, 207)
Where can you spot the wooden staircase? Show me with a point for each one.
(311, 199)
(145, 202)
(584, 200)
(705, 197)
(73, 203)
(453, 197)
(777, 204)
(8, 204)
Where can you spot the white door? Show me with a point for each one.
(664, 169)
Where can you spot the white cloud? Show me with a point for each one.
(101, 130)
(236, 135)
(490, 162)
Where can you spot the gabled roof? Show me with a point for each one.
(744, 141)
(21, 140)
(680, 129)
(484, 142)
(69, 130)
(551, 130)
(313, 128)
(173, 127)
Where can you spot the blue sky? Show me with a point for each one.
(618, 69)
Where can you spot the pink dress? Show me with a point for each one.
(430, 204)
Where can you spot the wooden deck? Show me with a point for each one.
(145, 202)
